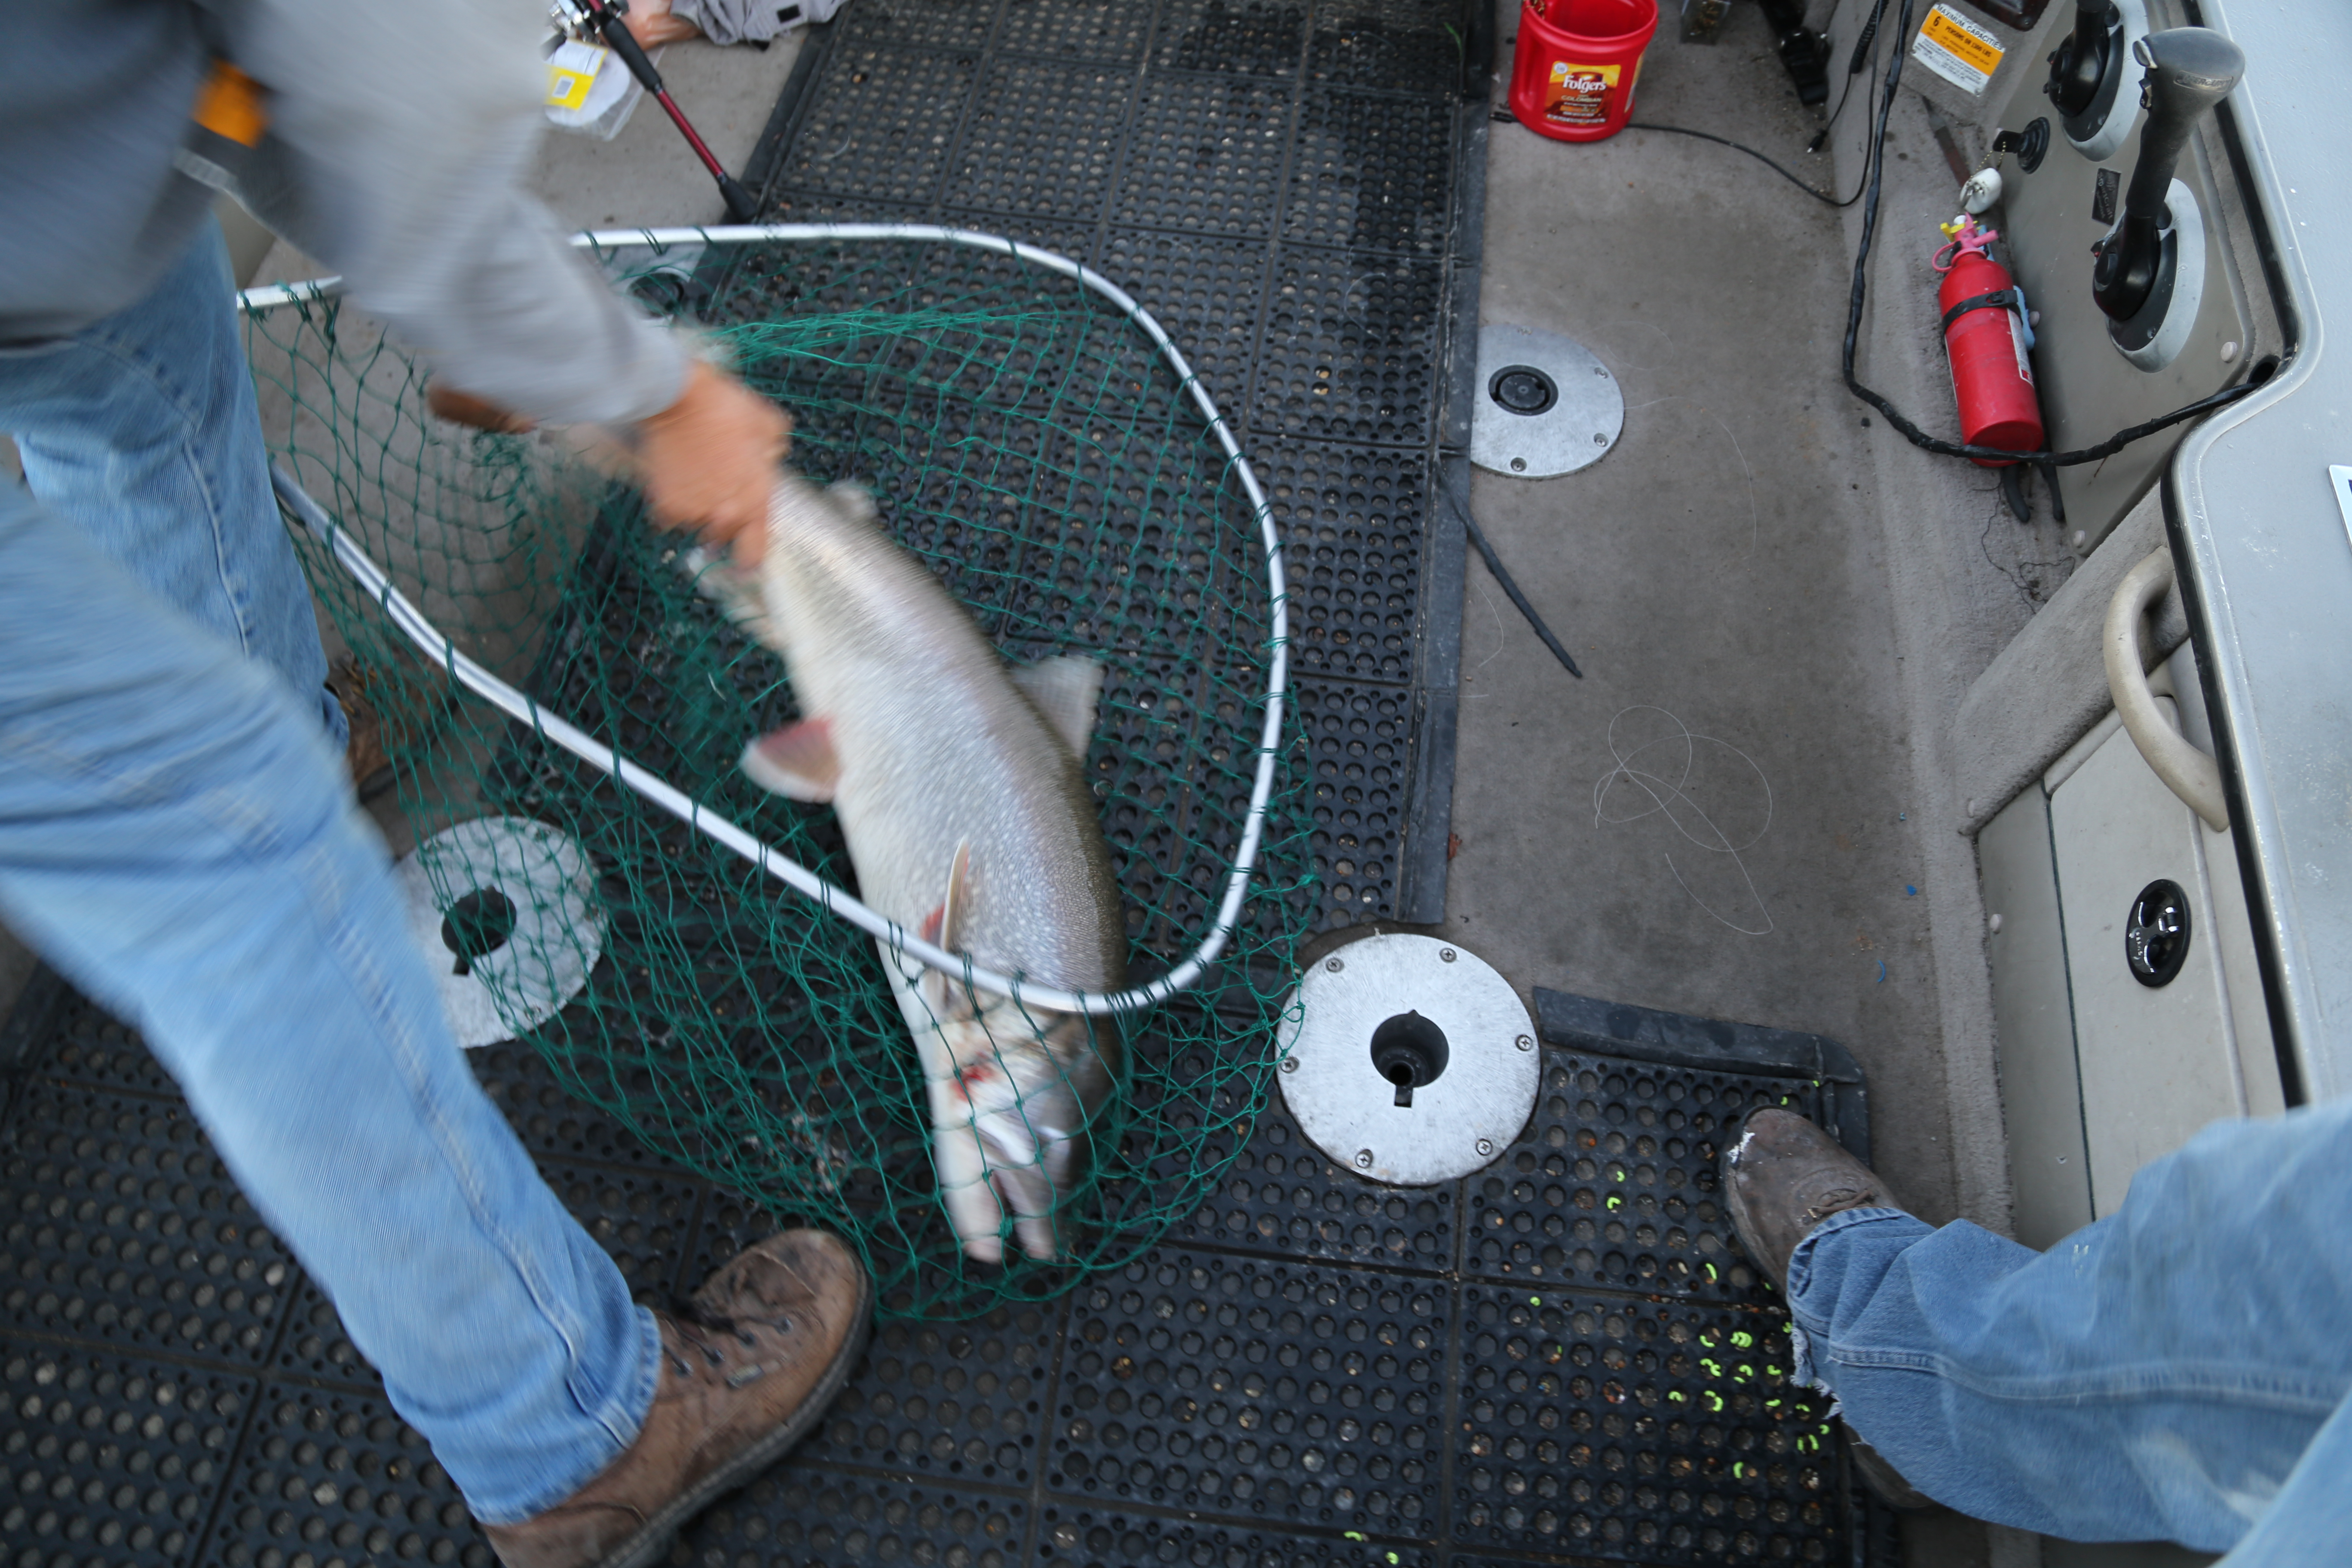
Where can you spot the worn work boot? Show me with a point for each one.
(365, 756)
(1783, 1177)
(387, 712)
(748, 1366)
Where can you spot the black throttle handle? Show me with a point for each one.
(2189, 69)
(2079, 63)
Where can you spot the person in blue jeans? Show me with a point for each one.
(176, 833)
(2180, 1369)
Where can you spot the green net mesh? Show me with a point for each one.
(1025, 438)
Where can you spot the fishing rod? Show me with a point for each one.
(605, 18)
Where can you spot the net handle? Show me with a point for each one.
(437, 648)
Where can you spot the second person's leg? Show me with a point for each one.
(2157, 1374)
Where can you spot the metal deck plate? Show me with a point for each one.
(1569, 412)
(1409, 1059)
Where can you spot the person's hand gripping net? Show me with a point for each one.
(707, 463)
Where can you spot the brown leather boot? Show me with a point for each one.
(748, 1367)
(388, 712)
(1781, 1178)
(365, 756)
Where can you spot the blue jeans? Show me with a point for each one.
(2179, 1370)
(142, 432)
(177, 837)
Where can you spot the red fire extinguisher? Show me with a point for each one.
(1986, 337)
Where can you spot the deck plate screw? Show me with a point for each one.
(1446, 954)
(1333, 966)
(1526, 1043)
(1363, 1158)
(1486, 1145)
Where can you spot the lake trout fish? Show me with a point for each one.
(958, 783)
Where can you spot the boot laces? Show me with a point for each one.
(707, 1332)
(696, 1332)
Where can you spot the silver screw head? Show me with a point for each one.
(1363, 1158)
(1519, 465)
(1526, 1042)
(1601, 438)
(1333, 966)
(1486, 1145)
(1446, 954)
(1290, 1064)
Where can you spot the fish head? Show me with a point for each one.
(1015, 1091)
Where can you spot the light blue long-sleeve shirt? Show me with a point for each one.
(400, 133)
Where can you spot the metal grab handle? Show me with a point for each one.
(2187, 772)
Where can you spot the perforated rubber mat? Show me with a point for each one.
(1292, 187)
(1560, 1358)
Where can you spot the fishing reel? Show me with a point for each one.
(583, 21)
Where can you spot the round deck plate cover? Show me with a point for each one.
(549, 928)
(1465, 1116)
(1576, 431)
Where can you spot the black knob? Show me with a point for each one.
(2189, 69)
(2156, 934)
(2079, 63)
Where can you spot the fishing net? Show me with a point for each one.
(1028, 440)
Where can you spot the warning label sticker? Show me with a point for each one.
(1956, 49)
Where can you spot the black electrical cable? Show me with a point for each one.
(1863, 54)
(1507, 118)
(1912, 433)
(1822, 196)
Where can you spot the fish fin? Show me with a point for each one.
(797, 761)
(1064, 690)
(957, 906)
(944, 926)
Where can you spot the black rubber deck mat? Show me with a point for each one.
(1560, 1358)
(1294, 188)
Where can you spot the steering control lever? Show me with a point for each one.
(2189, 69)
(2083, 62)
